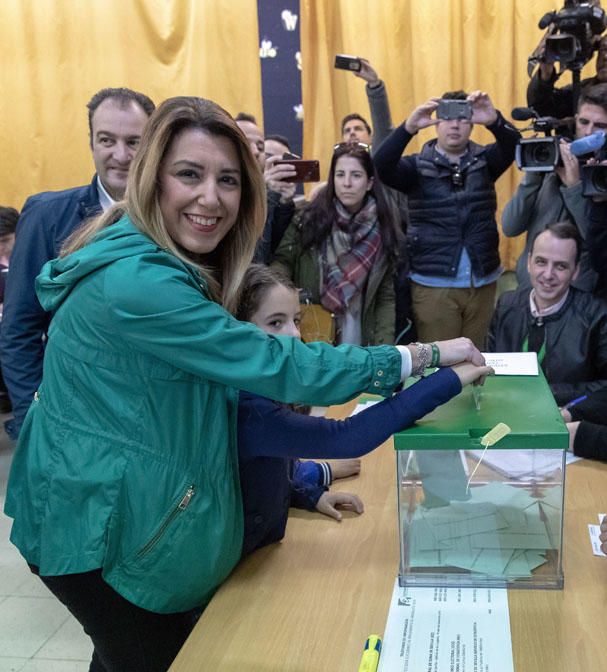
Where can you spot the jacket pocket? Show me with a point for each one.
(166, 523)
(172, 558)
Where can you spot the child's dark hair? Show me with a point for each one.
(257, 282)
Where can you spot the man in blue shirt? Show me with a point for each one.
(452, 236)
(116, 118)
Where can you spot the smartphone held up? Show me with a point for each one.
(344, 62)
(306, 170)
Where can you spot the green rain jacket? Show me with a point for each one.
(127, 458)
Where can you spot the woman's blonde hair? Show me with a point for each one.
(233, 255)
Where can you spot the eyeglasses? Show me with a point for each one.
(352, 145)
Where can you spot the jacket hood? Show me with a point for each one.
(118, 241)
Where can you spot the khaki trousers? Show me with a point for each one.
(441, 313)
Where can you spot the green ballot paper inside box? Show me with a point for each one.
(480, 490)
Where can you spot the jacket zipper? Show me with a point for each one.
(182, 506)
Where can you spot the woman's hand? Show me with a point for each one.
(459, 350)
(469, 373)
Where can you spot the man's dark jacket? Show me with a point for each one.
(549, 101)
(46, 220)
(447, 213)
(575, 362)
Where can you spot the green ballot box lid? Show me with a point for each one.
(524, 403)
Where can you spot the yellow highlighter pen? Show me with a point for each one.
(370, 657)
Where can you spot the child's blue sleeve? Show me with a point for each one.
(266, 428)
(307, 484)
(317, 473)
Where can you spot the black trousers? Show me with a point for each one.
(126, 638)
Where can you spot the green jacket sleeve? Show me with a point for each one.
(174, 321)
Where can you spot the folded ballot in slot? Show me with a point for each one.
(480, 490)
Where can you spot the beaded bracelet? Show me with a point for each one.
(435, 355)
(423, 356)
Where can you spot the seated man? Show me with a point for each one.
(565, 326)
(587, 424)
(542, 198)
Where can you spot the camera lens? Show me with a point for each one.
(599, 178)
(542, 154)
(562, 47)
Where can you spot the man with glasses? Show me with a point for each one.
(452, 237)
(543, 198)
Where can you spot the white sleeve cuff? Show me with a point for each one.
(406, 364)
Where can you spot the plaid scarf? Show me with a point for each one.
(348, 255)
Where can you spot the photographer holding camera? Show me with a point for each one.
(573, 34)
(547, 100)
(546, 197)
(452, 237)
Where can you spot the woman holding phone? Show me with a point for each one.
(341, 249)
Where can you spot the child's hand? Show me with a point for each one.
(330, 500)
(345, 468)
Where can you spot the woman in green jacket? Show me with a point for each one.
(124, 485)
(341, 249)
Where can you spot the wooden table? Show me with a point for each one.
(308, 603)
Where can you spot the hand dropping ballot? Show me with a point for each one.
(512, 363)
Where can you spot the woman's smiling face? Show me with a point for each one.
(200, 190)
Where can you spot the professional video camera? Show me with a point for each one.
(589, 151)
(539, 155)
(574, 30)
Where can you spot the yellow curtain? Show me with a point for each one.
(56, 53)
(420, 48)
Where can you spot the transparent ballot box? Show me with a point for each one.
(472, 517)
